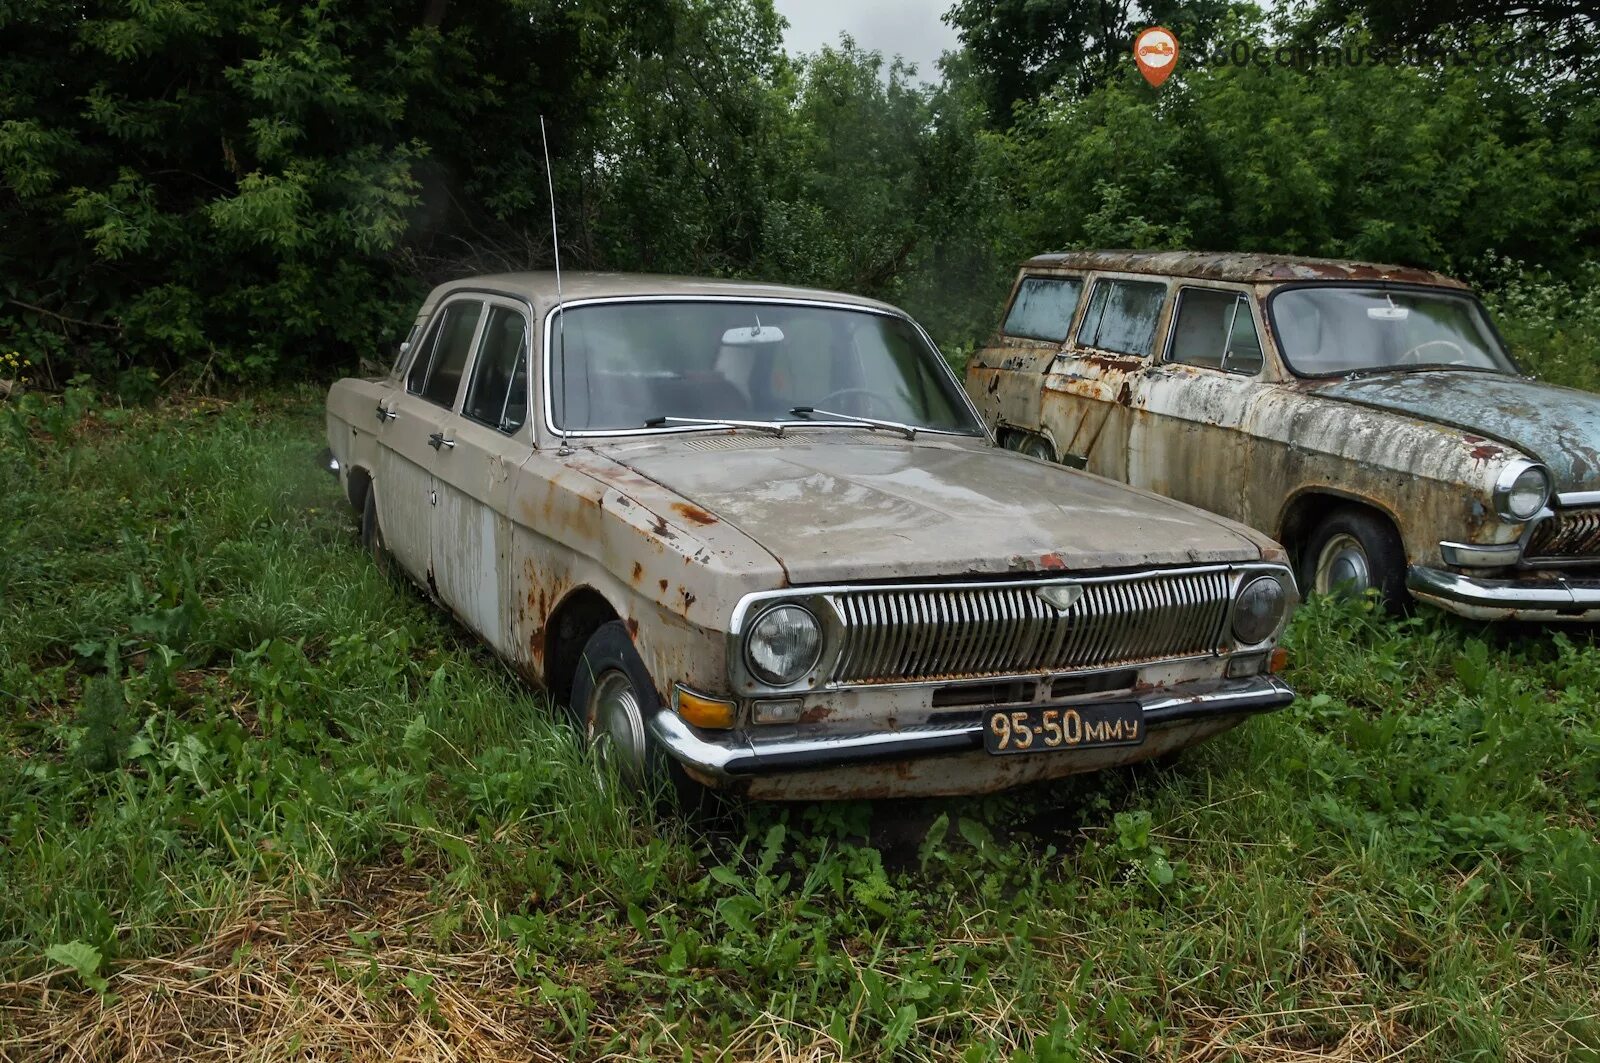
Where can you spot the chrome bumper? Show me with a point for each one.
(766, 750)
(1495, 599)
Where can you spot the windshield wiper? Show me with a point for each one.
(875, 423)
(770, 427)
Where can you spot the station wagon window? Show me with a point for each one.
(498, 393)
(1043, 308)
(436, 372)
(1214, 329)
(1122, 316)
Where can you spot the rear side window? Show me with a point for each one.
(498, 393)
(1043, 308)
(436, 372)
(1215, 329)
(1122, 316)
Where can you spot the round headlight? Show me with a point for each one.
(1258, 610)
(783, 645)
(1523, 490)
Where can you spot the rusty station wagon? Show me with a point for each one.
(1366, 416)
(757, 537)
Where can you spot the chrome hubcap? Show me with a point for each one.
(616, 726)
(1342, 567)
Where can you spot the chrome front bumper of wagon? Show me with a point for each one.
(1541, 600)
(730, 755)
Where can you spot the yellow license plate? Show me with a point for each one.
(1077, 727)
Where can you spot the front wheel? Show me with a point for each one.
(613, 698)
(1354, 551)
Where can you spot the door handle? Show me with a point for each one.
(386, 414)
(437, 440)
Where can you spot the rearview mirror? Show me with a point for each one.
(1388, 313)
(745, 337)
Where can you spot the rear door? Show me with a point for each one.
(1189, 440)
(413, 432)
(1005, 378)
(485, 443)
(1088, 394)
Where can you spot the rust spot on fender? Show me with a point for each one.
(691, 512)
(663, 586)
(816, 714)
(633, 627)
(1485, 451)
(1052, 562)
(688, 597)
(638, 572)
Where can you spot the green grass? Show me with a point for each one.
(254, 798)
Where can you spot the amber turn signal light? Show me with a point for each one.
(1278, 661)
(705, 712)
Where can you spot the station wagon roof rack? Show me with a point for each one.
(1239, 266)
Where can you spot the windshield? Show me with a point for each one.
(1331, 331)
(633, 364)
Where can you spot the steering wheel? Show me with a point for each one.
(1410, 358)
(827, 401)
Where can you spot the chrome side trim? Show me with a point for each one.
(1472, 555)
(1578, 498)
(728, 756)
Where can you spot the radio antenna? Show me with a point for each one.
(561, 306)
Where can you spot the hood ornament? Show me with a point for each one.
(1061, 596)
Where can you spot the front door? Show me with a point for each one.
(1189, 440)
(412, 437)
(1088, 393)
(485, 444)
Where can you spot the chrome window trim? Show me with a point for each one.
(1244, 293)
(599, 300)
(522, 306)
(1481, 555)
(818, 598)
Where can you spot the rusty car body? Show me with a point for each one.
(1367, 416)
(758, 536)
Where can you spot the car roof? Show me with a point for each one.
(1244, 267)
(539, 288)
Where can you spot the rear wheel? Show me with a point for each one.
(372, 534)
(1353, 551)
(613, 698)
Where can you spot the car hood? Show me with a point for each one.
(1558, 426)
(832, 510)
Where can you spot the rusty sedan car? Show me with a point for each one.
(1367, 416)
(757, 538)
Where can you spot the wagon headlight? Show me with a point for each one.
(1523, 490)
(1258, 610)
(783, 645)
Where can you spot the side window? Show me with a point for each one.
(498, 393)
(436, 372)
(1215, 329)
(406, 347)
(1043, 308)
(1122, 316)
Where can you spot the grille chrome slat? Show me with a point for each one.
(1569, 534)
(896, 635)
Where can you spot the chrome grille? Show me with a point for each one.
(893, 635)
(1570, 533)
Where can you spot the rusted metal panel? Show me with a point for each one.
(1239, 267)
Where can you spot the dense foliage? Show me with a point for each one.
(245, 189)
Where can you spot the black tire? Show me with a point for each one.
(372, 534)
(609, 659)
(1349, 538)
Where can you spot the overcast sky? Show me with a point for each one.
(908, 28)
